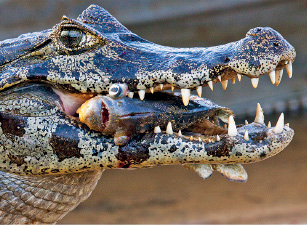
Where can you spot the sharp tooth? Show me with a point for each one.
(199, 139)
(157, 130)
(255, 82)
(220, 78)
(179, 133)
(224, 84)
(269, 124)
(218, 138)
(172, 88)
(246, 137)
(239, 77)
(191, 138)
(246, 122)
(130, 94)
(199, 90)
(234, 80)
(152, 90)
(280, 124)
(185, 93)
(142, 94)
(161, 87)
(259, 114)
(209, 141)
(272, 76)
(210, 84)
(232, 129)
(289, 69)
(278, 76)
(169, 129)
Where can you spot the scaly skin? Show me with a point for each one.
(42, 139)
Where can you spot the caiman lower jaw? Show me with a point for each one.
(243, 143)
(208, 131)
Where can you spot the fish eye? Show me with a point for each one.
(71, 37)
(118, 90)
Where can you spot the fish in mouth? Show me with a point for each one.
(69, 100)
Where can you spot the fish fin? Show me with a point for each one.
(233, 172)
(203, 170)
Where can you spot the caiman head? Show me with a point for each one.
(67, 102)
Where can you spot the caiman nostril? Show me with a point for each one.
(227, 59)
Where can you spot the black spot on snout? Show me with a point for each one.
(262, 155)
(64, 142)
(172, 149)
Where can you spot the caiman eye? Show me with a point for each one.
(71, 37)
(118, 90)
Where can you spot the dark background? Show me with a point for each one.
(276, 190)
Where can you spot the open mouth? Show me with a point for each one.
(123, 116)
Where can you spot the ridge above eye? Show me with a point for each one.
(71, 37)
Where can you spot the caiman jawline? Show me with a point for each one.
(225, 75)
(210, 129)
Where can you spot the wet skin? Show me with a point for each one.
(89, 95)
(46, 76)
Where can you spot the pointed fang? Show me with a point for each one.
(232, 129)
(185, 93)
(220, 78)
(157, 130)
(218, 138)
(289, 69)
(152, 90)
(169, 129)
(255, 82)
(172, 88)
(142, 94)
(161, 87)
(269, 124)
(233, 80)
(278, 76)
(130, 94)
(246, 122)
(246, 137)
(239, 77)
(224, 84)
(259, 114)
(199, 90)
(272, 76)
(210, 84)
(280, 124)
(179, 133)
